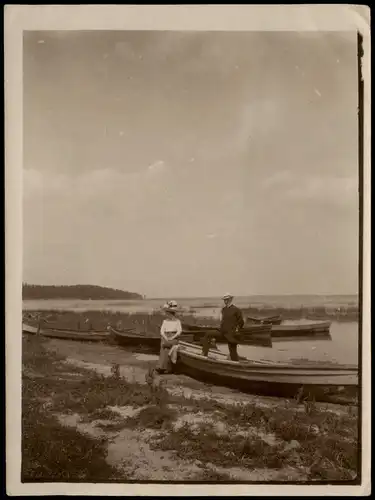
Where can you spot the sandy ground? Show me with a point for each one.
(130, 450)
(134, 367)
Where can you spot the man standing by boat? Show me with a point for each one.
(231, 322)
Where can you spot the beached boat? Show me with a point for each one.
(75, 335)
(46, 325)
(189, 327)
(266, 377)
(255, 335)
(72, 330)
(133, 338)
(32, 330)
(67, 334)
(278, 332)
(320, 329)
(323, 336)
(266, 320)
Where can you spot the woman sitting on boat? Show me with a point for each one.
(170, 331)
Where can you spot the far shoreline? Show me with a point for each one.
(315, 312)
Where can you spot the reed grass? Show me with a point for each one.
(150, 322)
(345, 313)
(99, 320)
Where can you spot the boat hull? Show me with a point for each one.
(312, 330)
(264, 334)
(133, 339)
(67, 334)
(32, 330)
(306, 337)
(253, 335)
(71, 330)
(323, 382)
(269, 320)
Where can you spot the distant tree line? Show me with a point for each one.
(83, 292)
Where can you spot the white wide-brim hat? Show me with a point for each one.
(171, 306)
(227, 296)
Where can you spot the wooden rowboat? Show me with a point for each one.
(266, 377)
(267, 320)
(131, 338)
(189, 327)
(301, 330)
(45, 325)
(306, 337)
(32, 330)
(254, 335)
(292, 332)
(101, 332)
(136, 339)
(66, 334)
(286, 332)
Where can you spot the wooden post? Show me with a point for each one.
(115, 370)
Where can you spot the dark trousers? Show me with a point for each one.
(232, 344)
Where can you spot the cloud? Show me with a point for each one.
(32, 181)
(257, 119)
(249, 139)
(327, 189)
(191, 53)
(36, 182)
(93, 198)
(280, 178)
(338, 191)
(157, 166)
(89, 183)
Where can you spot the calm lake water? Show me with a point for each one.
(149, 305)
(342, 349)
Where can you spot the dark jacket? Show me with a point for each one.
(231, 319)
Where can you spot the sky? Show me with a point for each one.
(178, 164)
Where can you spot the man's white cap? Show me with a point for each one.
(227, 296)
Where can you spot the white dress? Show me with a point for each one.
(169, 349)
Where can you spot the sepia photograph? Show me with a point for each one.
(192, 245)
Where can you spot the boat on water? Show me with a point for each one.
(89, 336)
(321, 380)
(316, 330)
(294, 331)
(135, 339)
(323, 336)
(254, 335)
(278, 332)
(266, 320)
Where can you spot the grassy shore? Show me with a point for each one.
(99, 320)
(79, 424)
(349, 313)
(141, 322)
